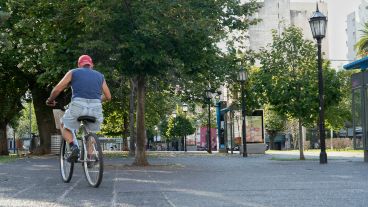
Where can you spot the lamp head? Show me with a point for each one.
(318, 24)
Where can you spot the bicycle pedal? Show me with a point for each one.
(72, 159)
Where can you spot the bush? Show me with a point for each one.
(340, 143)
(306, 145)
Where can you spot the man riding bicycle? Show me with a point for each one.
(89, 89)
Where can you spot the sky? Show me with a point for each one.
(337, 13)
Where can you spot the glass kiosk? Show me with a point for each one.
(359, 105)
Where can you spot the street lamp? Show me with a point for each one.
(185, 110)
(174, 116)
(318, 24)
(221, 140)
(28, 99)
(156, 130)
(242, 78)
(208, 95)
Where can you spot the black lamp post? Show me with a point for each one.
(221, 140)
(28, 99)
(242, 78)
(208, 97)
(174, 116)
(318, 24)
(155, 140)
(185, 110)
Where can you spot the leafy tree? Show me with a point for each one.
(141, 39)
(179, 127)
(288, 77)
(274, 123)
(43, 37)
(159, 102)
(202, 117)
(155, 39)
(362, 45)
(11, 86)
(22, 128)
(116, 117)
(337, 114)
(113, 124)
(163, 126)
(10, 90)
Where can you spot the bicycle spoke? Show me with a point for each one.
(93, 167)
(66, 168)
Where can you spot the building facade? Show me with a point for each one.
(354, 24)
(278, 14)
(351, 30)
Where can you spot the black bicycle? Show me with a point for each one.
(90, 155)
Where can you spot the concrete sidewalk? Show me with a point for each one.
(314, 154)
(191, 180)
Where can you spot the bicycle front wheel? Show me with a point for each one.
(66, 168)
(93, 164)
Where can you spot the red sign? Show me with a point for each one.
(203, 141)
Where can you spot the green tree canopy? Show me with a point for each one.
(179, 127)
(142, 39)
(274, 122)
(338, 114)
(12, 85)
(288, 77)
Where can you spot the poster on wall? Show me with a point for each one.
(203, 140)
(254, 129)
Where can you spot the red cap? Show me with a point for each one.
(85, 60)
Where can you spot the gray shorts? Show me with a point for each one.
(83, 107)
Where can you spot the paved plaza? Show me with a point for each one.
(177, 179)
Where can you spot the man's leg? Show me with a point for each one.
(68, 136)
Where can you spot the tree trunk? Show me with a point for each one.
(301, 142)
(125, 133)
(132, 131)
(3, 140)
(140, 152)
(45, 120)
(272, 139)
(272, 135)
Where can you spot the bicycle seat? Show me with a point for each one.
(87, 118)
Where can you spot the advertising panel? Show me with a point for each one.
(203, 141)
(254, 129)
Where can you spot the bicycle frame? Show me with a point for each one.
(83, 140)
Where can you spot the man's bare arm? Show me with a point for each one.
(106, 95)
(64, 83)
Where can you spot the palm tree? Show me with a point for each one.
(362, 45)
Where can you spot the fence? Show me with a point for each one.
(111, 144)
(55, 143)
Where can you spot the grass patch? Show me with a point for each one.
(319, 150)
(158, 154)
(335, 150)
(291, 159)
(116, 154)
(8, 158)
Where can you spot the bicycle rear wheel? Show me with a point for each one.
(66, 168)
(93, 164)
